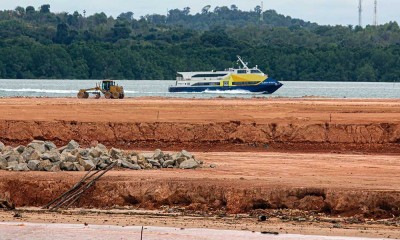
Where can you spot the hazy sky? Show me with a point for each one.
(330, 12)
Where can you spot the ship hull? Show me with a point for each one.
(268, 86)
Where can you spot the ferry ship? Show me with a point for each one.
(242, 78)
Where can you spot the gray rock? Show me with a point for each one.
(35, 155)
(45, 165)
(78, 167)
(2, 146)
(133, 159)
(55, 168)
(70, 158)
(49, 146)
(115, 153)
(20, 149)
(135, 167)
(154, 163)
(3, 163)
(72, 145)
(83, 152)
(180, 160)
(102, 166)
(213, 165)
(101, 148)
(53, 156)
(26, 154)
(14, 157)
(105, 159)
(95, 153)
(21, 167)
(126, 164)
(168, 163)
(12, 164)
(189, 164)
(67, 166)
(37, 145)
(33, 165)
(158, 154)
(86, 164)
(186, 154)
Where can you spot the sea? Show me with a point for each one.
(159, 88)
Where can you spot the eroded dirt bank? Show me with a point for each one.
(206, 195)
(219, 136)
(306, 125)
(349, 185)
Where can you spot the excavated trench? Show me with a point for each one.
(221, 136)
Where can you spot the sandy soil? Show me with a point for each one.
(317, 157)
(302, 125)
(273, 110)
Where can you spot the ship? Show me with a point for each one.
(242, 78)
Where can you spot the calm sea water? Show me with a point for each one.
(138, 88)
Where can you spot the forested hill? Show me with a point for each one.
(37, 43)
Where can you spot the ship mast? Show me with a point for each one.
(243, 63)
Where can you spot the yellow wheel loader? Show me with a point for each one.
(106, 87)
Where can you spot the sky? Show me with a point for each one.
(324, 12)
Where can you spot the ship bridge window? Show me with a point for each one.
(244, 83)
(255, 71)
(206, 84)
(208, 75)
(241, 71)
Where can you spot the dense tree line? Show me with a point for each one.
(36, 43)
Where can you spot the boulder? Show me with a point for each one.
(45, 165)
(180, 160)
(186, 154)
(86, 164)
(189, 164)
(3, 163)
(2, 146)
(105, 159)
(49, 146)
(70, 158)
(12, 164)
(67, 166)
(21, 167)
(20, 149)
(72, 145)
(95, 153)
(126, 164)
(53, 156)
(37, 145)
(168, 163)
(154, 163)
(158, 154)
(55, 168)
(33, 165)
(26, 154)
(133, 159)
(102, 166)
(14, 157)
(135, 167)
(115, 153)
(83, 152)
(78, 167)
(101, 148)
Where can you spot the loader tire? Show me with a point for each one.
(107, 95)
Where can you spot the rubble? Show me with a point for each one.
(45, 156)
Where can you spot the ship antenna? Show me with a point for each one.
(241, 61)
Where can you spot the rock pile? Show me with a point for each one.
(45, 156)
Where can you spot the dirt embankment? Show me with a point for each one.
(203, 195)
(219, 136)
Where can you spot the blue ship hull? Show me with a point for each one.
(268, 86)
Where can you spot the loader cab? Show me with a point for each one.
(107, 84)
